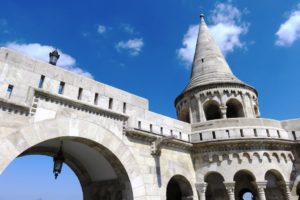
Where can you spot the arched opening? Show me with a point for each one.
(234, 109)
(179, 188)
(275, 185)
(212, 110)
(184, 115)
(246, 195)
(99, 171)
(32, 176)
(215, 187)
(245, 186)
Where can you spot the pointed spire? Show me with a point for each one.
(209, 65)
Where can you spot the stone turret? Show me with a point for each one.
(213, 91)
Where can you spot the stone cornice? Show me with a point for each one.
(151, 137)
(14, 107)
(79, 104)
(242, 144)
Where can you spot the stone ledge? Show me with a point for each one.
(15, 107)
(151, 137)
(79, 105)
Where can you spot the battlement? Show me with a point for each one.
(19, 73)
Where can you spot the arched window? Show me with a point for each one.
(212, 110)
(234, 109)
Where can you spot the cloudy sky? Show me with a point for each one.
(146, 47)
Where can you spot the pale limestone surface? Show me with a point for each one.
(133, 153)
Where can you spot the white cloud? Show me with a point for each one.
(226, 28)
(133, 46)
(101, 29)
(41, 52)
(127, 28)
(289, 31)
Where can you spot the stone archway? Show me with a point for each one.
(245, 182)
(215, 187)
(179, 188)
(276, 188)
(234, 109)
(43, 137)
(212, 110)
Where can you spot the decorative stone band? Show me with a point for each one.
(216, 87)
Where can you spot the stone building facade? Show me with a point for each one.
(219, 148)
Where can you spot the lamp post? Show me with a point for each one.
(54, 56)
(58, 161)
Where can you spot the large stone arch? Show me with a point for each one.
(15, 144)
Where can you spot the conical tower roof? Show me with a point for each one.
(209, 65)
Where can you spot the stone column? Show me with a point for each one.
(223, 111)
(261, 186)
(201, 111)
(245, 110)
(230, 190)
(201, 188)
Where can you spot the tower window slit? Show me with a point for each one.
(110, 103)
(171, 132)
(139, 125)
(180, 135)
(200, 135)
(41, 83)
(61, 87)
(255, 132)
(228, 134)
(96, 99)
(278, 134)
(294, 135)
(79, 94)
(124, 107)
(9, 90)
(161, 130)
(214, 134)
(151, 128)
(242, 132)
(268, 132)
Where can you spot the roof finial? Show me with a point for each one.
(201, 16)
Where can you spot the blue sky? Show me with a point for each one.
(145, 47)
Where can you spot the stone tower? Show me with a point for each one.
(213, 91)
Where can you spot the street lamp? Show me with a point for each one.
(58, 161)
(54, 56)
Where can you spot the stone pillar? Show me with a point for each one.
(261, 186)
(201, 188)
(245, 110)
(230, 190)
(201, 111)
(223, 111)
